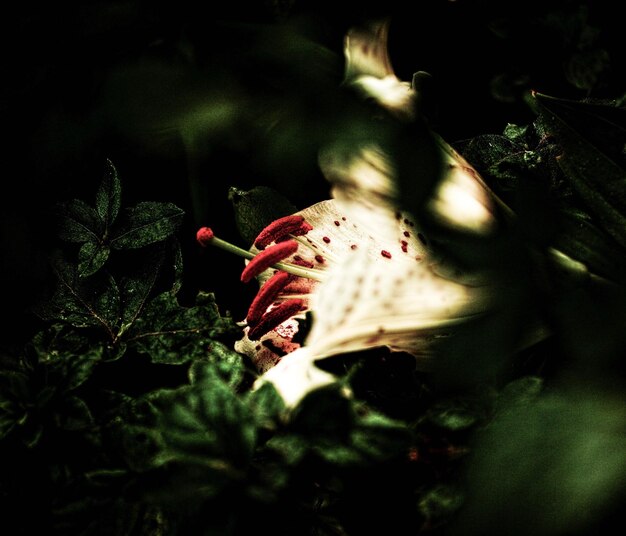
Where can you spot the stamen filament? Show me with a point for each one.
(206, 237)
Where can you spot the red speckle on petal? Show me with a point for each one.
(353, 246)
(406, 233)
(337, 223)
(385, 254)
(319, 259)
(343, 218)
(326, 239)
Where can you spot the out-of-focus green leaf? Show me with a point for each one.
(91, 257)
(203, 425)
(439, 503)
(145, 224)
(552, 466)
(458, 413)
(267, 405)
(256, 208)
(579, 238)
(171, 334)
(108, 196)
(220, 360)
(592, 138)
(79, 222)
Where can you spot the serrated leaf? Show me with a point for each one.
(592, 138)
(203, 424)
(146, 223)
(83, 302)
(108, 196)
(137, 284)
(171, 334)
(78, 222)
(91, 257)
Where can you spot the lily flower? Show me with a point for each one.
(360, 266)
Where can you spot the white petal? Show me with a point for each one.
(296, 376)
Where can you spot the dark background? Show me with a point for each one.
(86, 81)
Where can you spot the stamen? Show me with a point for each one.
(267, 258)
(281, 228)
(206, 237)
(275, 317)
(266, 295)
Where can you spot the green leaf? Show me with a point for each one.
(257, 208)
(551, 466)
(580, 239)
(201, 425)
(171, 334)
(91, 257)
(145, 224)
(79, 222)
(592, 137)
(137, 284)
(457, 413)
(82, 302)
(177, 265)
(220, 360)
(439, 503)
(108, 196)
(74, 415)
(267, 405)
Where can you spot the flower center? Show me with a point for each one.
(282, 295)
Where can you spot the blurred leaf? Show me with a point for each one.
(220, 360)
(266, 404)
(108, 196)
(551, 466)
(458, 413)
(438, 504)
(145, 224)
(91, 257)
(582, 240)
(255, 209)
(592, 137)
(79, 222)
(205, 426)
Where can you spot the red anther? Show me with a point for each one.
(275, 317)
(266, 295)
(204, 236)
(267, 258)
(280, 229)
(302, 262)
